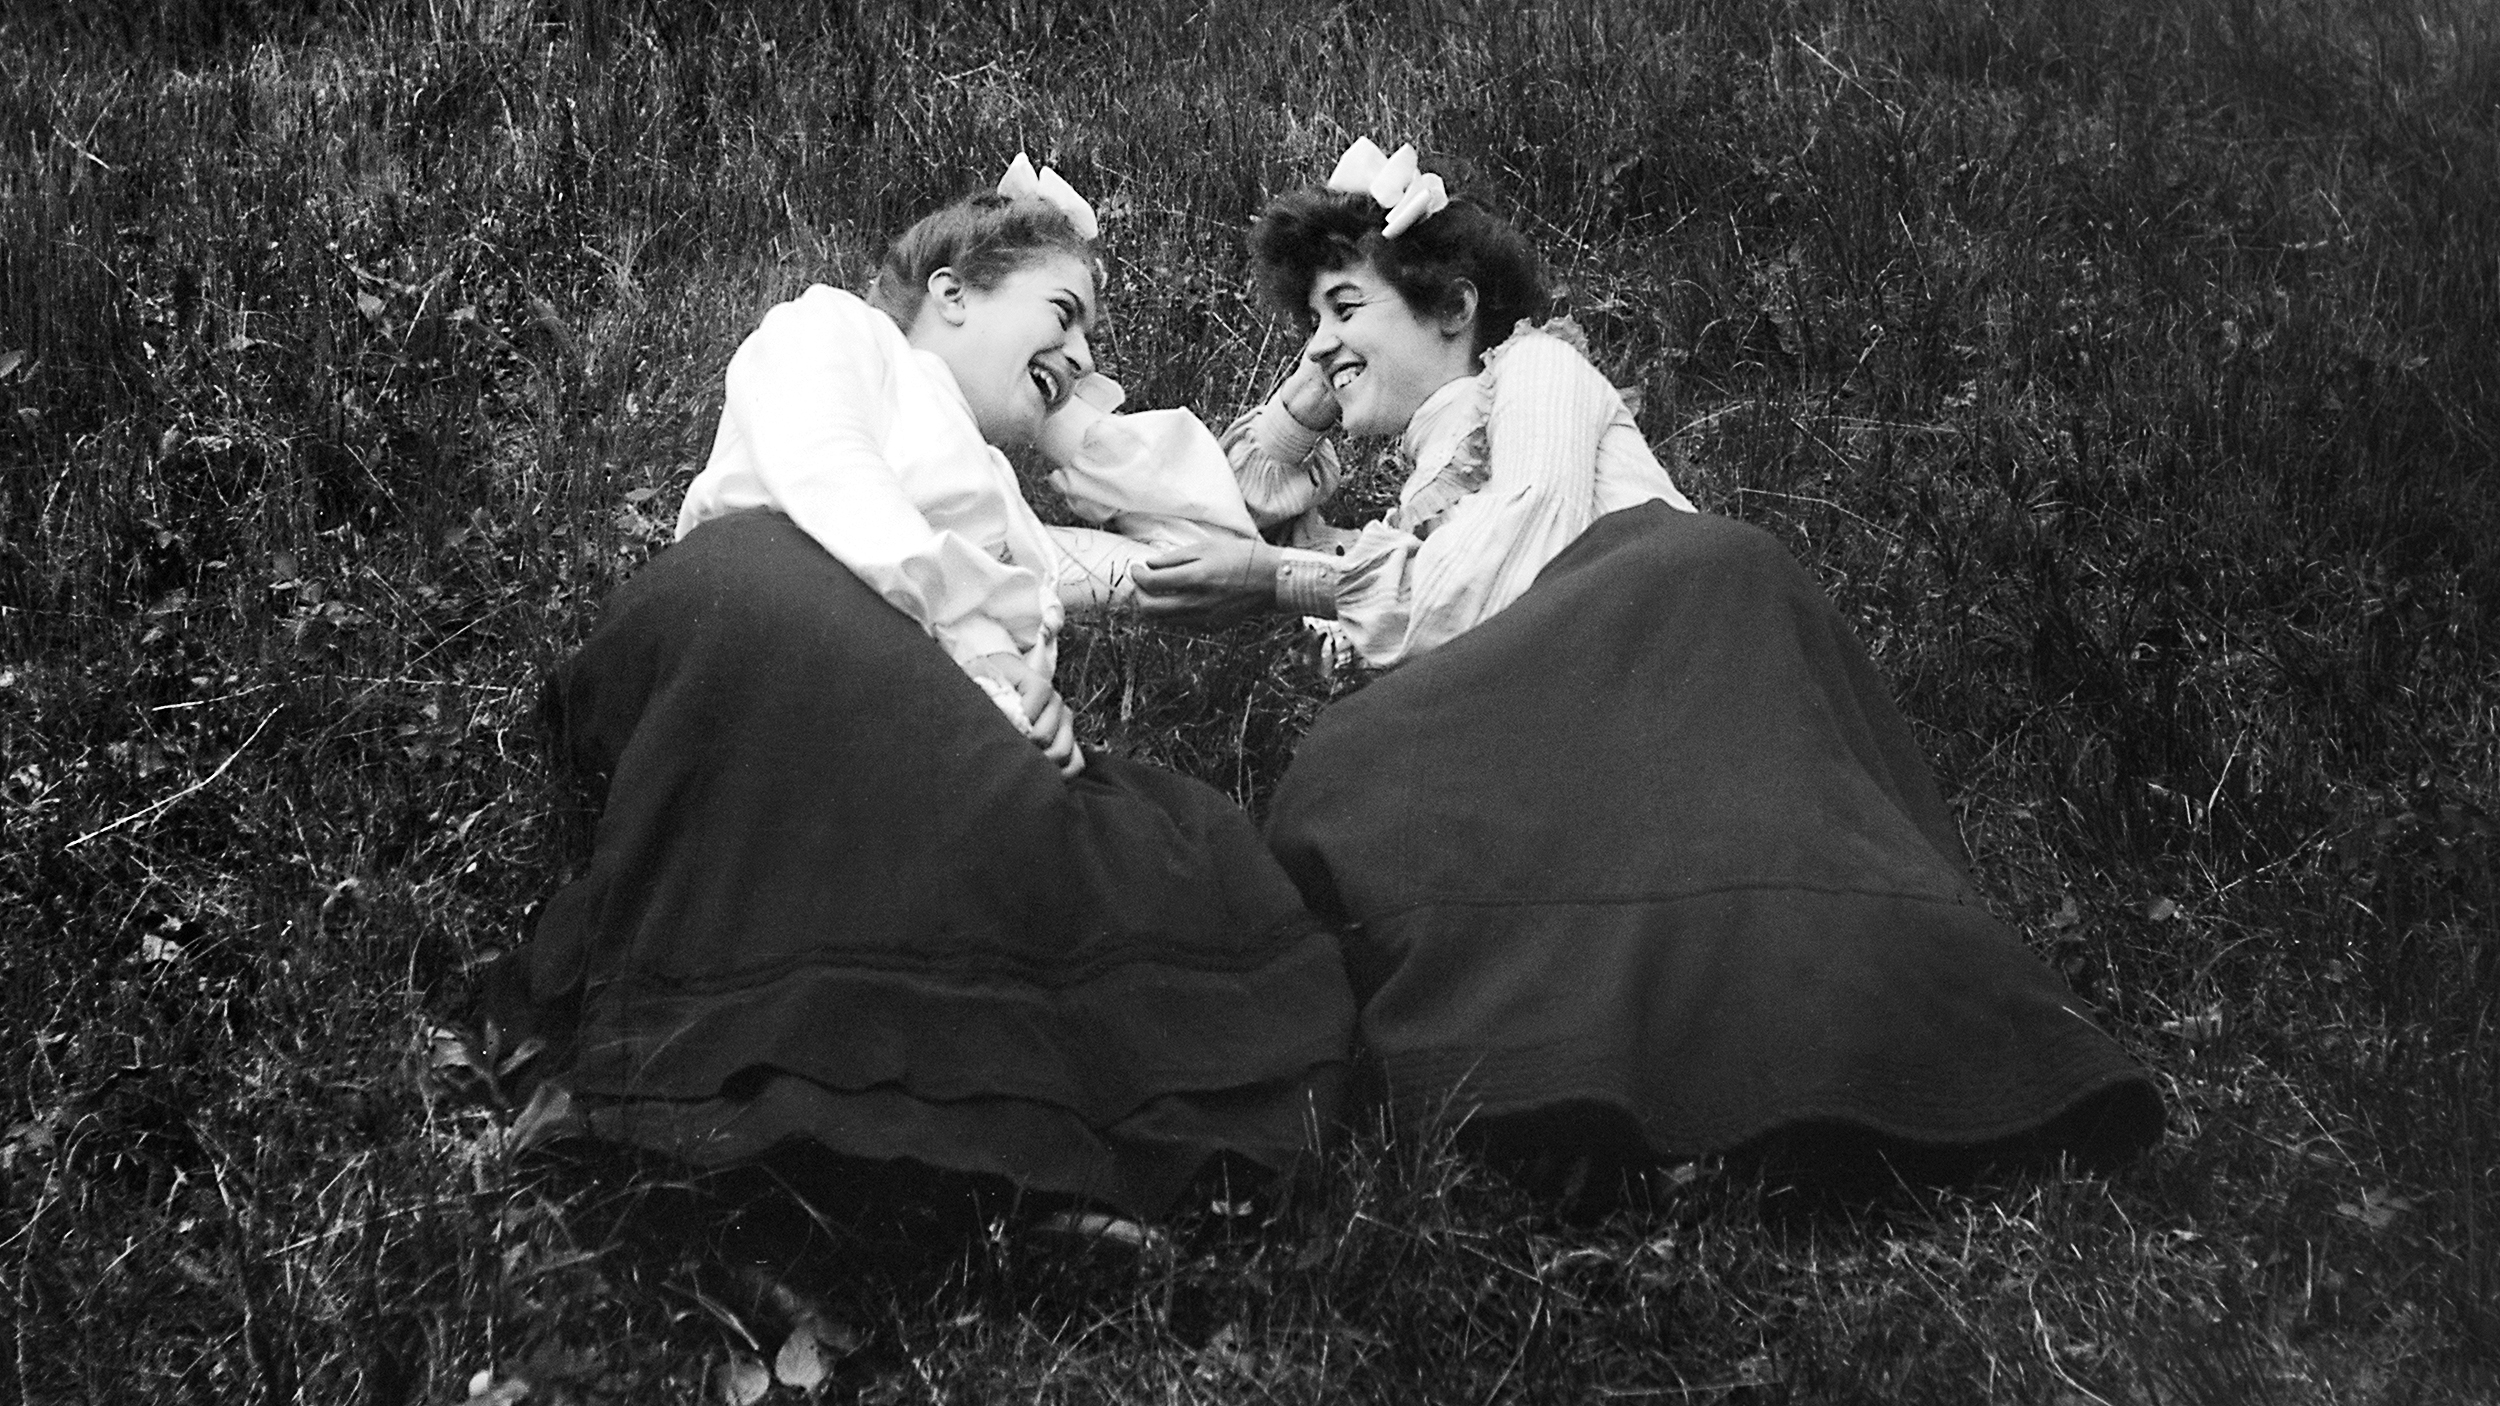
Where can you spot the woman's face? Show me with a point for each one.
(1017, 348)
(1382, 358)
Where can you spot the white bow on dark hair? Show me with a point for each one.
(1023, 182)
(1398, 183)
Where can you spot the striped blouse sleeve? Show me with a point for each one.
(1284, 468)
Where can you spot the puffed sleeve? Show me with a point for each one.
(1398, 594)
(811, 398)
(1155, 479)
(1156, 476)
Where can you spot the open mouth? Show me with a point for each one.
(1344, 376)
(1053, 384)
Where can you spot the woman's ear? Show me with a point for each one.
(1458, 314)
(946, 295)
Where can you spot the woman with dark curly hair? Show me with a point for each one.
(1428, 336)
(1634, 855)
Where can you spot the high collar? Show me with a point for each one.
(1439, 423)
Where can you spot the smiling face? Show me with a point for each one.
(1017, 348)
(1381, 356)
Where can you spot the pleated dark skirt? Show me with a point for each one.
(836, 899)
(1652, 850)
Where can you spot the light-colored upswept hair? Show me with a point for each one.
(984, 238)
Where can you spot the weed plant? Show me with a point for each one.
(2124, 370)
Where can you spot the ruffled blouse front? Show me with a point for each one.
(1508, 467)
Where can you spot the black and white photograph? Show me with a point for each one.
(1237, 701)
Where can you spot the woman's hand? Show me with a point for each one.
(1047, 718)
(1307, 396)
(1212, 583)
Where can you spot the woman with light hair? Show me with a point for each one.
(857, 899)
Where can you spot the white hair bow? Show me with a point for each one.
(1396, 182)
(1022, 182)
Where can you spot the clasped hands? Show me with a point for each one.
(1048, 721)
(1221, 581)
(1212, 583)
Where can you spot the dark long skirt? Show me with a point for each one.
(1652, 850)
(835, 898)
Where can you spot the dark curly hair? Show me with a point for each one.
(983, 238)
(1306, 233)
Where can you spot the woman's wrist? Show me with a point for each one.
(1282, 436)
(1306, 584)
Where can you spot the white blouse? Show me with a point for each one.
(1510, 465)
(834, 419)
(867, 443)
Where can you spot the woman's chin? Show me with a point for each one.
(1013, 433)
(1360, 415)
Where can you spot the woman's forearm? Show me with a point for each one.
(1280, 458)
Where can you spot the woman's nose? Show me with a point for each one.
(1079, 352)
(1323, 342)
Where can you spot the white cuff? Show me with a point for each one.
(1306, 583)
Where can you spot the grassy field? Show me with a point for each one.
(2125, 370)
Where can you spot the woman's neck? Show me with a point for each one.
(1439, 420)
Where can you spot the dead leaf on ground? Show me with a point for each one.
(447, 1048)
(550, 1115)
(484, 1390)
(2204, 1025)
(742, 1380)
(801, 1361)
(2377, 1208)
